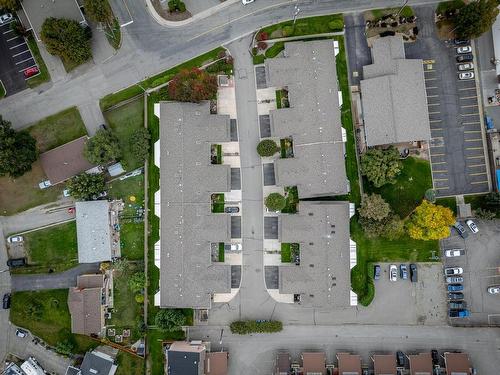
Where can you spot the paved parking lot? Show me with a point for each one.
(15, 57)
(481, 265)
(457, 151)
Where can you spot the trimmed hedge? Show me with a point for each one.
(336, 25)
(242, 327)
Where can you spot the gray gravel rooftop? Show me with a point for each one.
(394, 96)
(323, 278)
(313, 119)
(188, 278)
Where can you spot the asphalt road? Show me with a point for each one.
(255, 354)
(61, 280)
(149, 48)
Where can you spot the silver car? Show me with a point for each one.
(393, 272)
(466, 66)
(4, 18)
(465, 75)
(454, 279)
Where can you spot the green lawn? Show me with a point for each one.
(52, 248)
(131, 191)
(124, 121)
(286, 252)
(305, 26)
(451, 5)
(218, 203)
(129, 364)
(2, 90)
(53, 324)
(44, 75)
(126, 311)
(409, 189)
(292, 199)
(275, 49)
(156, 355)
(58, 129)
(377, 14)
(112, 99)
(221, 252)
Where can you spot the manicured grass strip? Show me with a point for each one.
(58, 129)
(306, 26)
(124, 121)
(132, 240)
(52, 248)
(46, 315)
(377, 14)
(221, 252)
(156, 80)
(218, 203)
(44, 75)
(275, 49)
(286, 252)
(113, 34)
(409, 189)
(258, 59)
(129, 364)
(2, 90)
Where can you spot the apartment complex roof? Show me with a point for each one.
(384, 364)
(420, 364)
(314, 363)
(457, 364)
(93, 231)
(308, 70)
(85, 305)
(39, 10)
(323, 277)
(349, 364)
(65, 161)
(188, 227)
(394, 96)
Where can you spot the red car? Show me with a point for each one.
(30, 72)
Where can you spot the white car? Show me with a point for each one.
(4, 18)
(472, 226)
(464, 49)
(15, 239)
(393, 272)
(450, 271)
(245, 2)
(44, 184)
(466, 75)
(21, 333)
(494, 289)
(454, 253)
(466, 66)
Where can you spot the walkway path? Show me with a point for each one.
(61, 280)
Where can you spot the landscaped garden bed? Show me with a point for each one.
(218, 203)
(282, 99)
(391, 20)
(286, 148)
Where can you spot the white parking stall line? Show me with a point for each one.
(20, 62)
(467, 88)
(433, 104)
(19, 45)
(20, 53)
(8, 40)
(31, 66)
(473, 140)
(469, 106)
(8, 31)
(468, 97)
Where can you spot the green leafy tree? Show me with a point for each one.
(170, 319)
(394, 227)
(275, 202)
(17, 150)
(192, 85)
(176, 6)
(493, 199)
(139, 143)
(374, 207)
(139, 298)
(475, 18)
(102, 148)
(11, 5)
(98, 10)
(430, 222)
(267, 147)
(67, 39)
(137, 282)
(381, 166)
(86, 186)
(65, 347)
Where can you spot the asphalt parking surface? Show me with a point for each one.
(15, 57)
(481, 265)
(456, 148)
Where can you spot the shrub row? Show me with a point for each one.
(241, 327)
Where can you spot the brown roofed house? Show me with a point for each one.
(283, 364)
(314, 363)
(349, 364)
(216, 363)
(457, 364)
(384, 364)
(86, 304)
(420, 364)
(65, 161)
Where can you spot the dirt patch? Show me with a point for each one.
(445, 29)
(170, 16)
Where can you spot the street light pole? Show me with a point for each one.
(296, 11)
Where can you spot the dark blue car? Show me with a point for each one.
(376, 272)
(455, 287)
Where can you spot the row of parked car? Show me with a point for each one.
(456, 304)
(461, 229)
(464, 58)
(393, 272)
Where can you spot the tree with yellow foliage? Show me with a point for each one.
(430, 222)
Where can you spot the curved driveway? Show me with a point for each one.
(149, 48)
